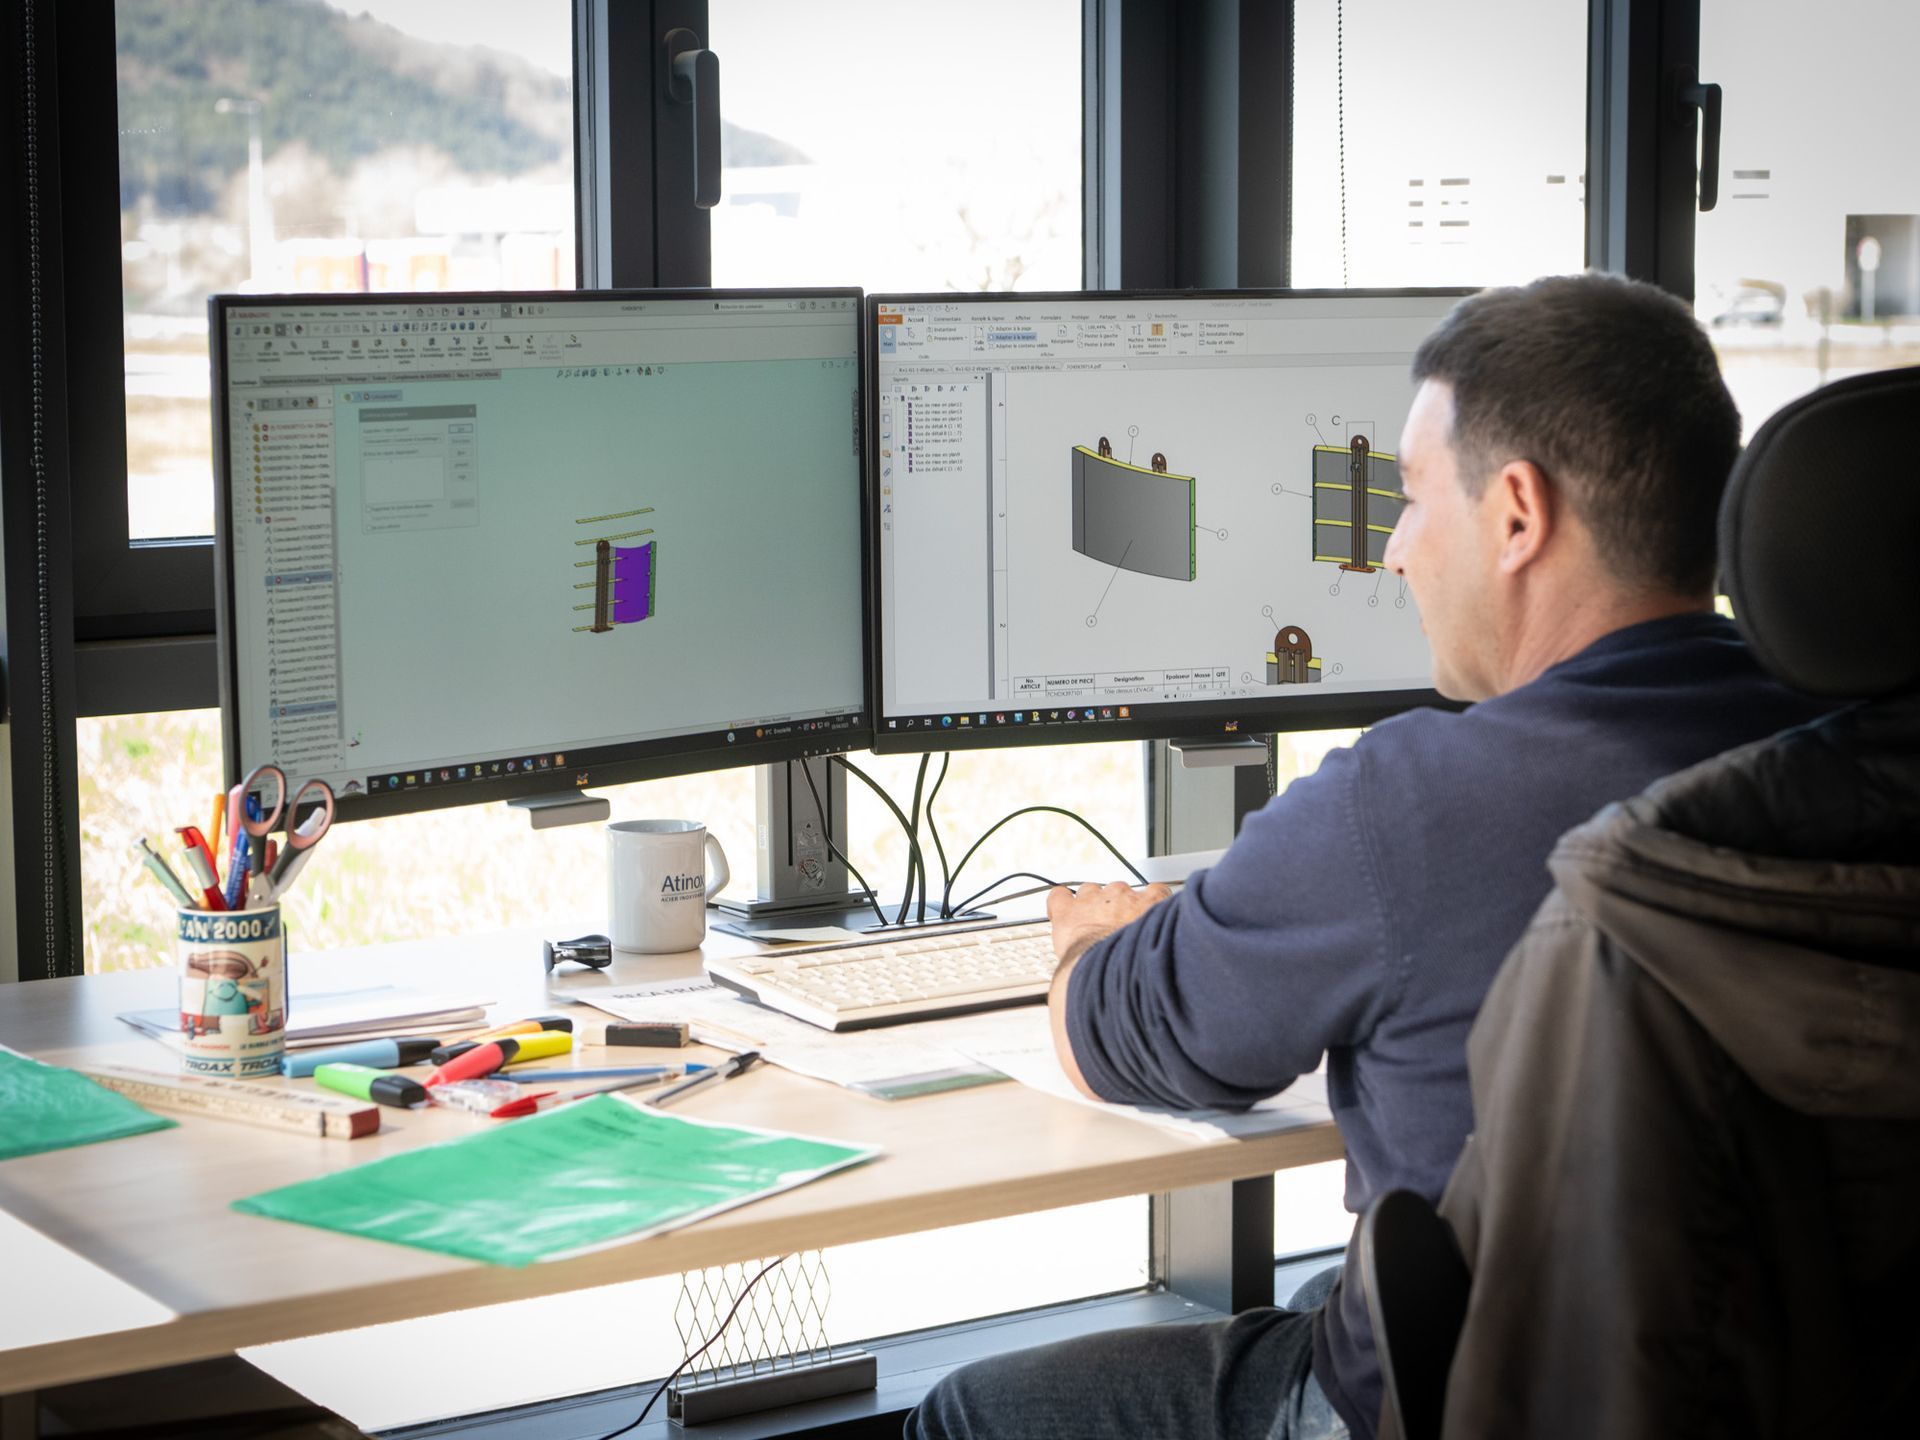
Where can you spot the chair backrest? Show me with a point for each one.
(1416, 1286)
(1817, 535)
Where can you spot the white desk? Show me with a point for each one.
(153, 1211)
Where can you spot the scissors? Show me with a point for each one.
(254, 822)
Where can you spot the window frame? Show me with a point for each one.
(143, 624)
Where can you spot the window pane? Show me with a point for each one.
(1809, 268)
(275, 145)
(1438, 144)
(899, 144)
(443, 872)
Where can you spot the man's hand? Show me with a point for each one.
(1084, 916)
(1079, 919)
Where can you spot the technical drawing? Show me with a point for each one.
(1131, 517)
(1356, 503)
(625, 579)
(1292, 661)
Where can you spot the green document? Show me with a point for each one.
(47, 1108)
(556, 1183)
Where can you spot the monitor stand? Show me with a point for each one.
(798, 879)
(799, 882)
(1249, 756)
(562, 807)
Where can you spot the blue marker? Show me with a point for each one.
(386, 1054)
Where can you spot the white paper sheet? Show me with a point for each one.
(880, 1061)
(1019, 1042)
(1015, 1041)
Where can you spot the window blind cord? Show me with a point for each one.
(1340, 112)
(52, 816)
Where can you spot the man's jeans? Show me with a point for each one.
(1251, 1376)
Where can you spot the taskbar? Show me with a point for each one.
(574, 768)
(1001, 719)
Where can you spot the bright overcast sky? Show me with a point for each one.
(830, 87)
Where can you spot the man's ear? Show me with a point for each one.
(1526, 509)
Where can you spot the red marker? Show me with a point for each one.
(472, 1064)
(206, 874)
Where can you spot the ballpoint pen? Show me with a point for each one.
(599, 1072)
(547, 1099)
(236, 892)
(164, 874)
(206, 870)
(725, 1070)
(204, 877)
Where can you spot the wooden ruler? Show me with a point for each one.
(305, 1112)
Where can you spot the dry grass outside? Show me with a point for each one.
(481, 867)
(477, 868)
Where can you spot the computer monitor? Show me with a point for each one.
(492, 546)
(1136, 516)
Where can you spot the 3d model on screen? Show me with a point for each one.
(625, 577)
(1356, 503)
(1132, 517)
(1292, 661)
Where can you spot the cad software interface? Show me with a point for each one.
(470, 539)
(1100, 509)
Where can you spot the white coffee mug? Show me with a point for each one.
(660, 875)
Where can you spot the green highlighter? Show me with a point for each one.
(363, 1082)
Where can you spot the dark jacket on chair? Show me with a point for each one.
(1691, 1203)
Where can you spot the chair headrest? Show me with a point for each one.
(1818, 533)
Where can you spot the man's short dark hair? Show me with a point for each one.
(1612, 389)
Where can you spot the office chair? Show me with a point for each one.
(1416, 1286)
(1691, 1202)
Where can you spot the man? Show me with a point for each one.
(1563, 462)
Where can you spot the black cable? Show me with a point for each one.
(1045, 884)
(913, 843)
(915, 865)
(933, 830)
(946, 909)
(719, 1330)
(920, 913)
(833, 849)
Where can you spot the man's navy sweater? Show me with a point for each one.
(1362, 914)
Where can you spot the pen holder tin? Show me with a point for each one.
(233, 991)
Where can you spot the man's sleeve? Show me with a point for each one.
(1229, 991)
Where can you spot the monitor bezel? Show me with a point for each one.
(660, 759)
(1203, 721)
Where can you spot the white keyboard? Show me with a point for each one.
(890, 982)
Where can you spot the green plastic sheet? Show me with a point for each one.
(555, 1183)
(43, 1107)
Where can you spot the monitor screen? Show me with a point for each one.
(1114, 516)
(481, 546)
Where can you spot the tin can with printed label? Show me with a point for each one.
(233, 991)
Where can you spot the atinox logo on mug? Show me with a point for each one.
(660, 875)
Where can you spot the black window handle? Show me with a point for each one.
(693, 78)
(1706, 98)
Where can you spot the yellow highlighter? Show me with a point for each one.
(525, 1027)
(541, 1045)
